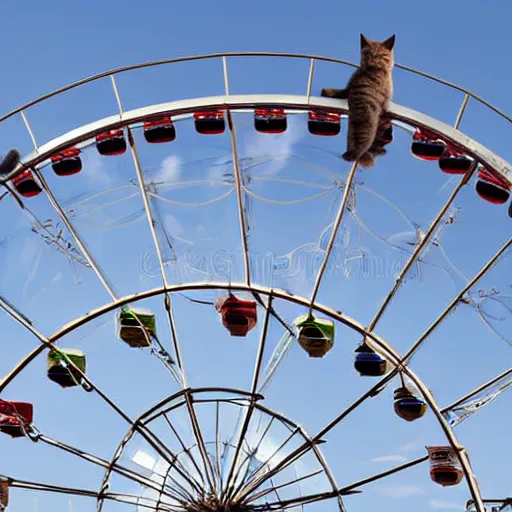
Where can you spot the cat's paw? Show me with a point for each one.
(377, 151)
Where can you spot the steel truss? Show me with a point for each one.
(187, 396)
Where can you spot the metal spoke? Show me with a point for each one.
(37, 486)
(151, 224)
(128, 473)
(190, 407)
(317, 439)
(336, 225)
(260, 494)
(421, 246)
(456, 301)
(81, 245)
(140, 428)
(184, 448)
(384, 474)
(227, 491)
(479, 389)
(239, 195)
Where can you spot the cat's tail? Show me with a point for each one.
(9, 161)
(366, 160)
(341, 94)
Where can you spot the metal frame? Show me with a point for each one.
(492, 160)
(381, 345)
(234, 103)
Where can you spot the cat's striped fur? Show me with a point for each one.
(368, 92)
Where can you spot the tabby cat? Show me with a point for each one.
(369, 92)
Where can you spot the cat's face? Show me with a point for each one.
(377, 53)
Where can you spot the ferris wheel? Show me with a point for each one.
(204, 308)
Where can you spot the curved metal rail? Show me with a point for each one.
(312, 58)
(499, 165)
(292, 103)
(383, 347)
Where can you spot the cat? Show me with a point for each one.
(382, 138)
(9, 161)
(369, 92)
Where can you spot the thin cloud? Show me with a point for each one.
(170, 169)
(400, 491)
(445, 504)
(409, 447)
(172, 225)
(95, 168)
(390, 458)
(278, 146)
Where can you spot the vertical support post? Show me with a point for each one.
(226, 76)
(462, 110)
(310, 78)
(118, 97)
(29, 129)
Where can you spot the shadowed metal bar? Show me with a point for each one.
(461, 112)
(260, 494)
(81, 245)
(421, 246)
(227, 492)
(128, 473)
(37, 486)
(140, 178)
(140, 428)
(239, 195)
(336, 225)
(477, 390)
(151, 224)
(456, 300)
(184, 448)
(310, 78)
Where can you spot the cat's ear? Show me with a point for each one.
(389, 43)
(364, 41)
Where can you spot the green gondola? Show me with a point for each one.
(315, 335)
(137, 326)
(60, 372)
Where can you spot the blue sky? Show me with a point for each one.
(50, 45)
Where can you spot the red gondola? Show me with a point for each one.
(491, 188)
(210, 122)
(159, 130)
(453, 162)
(426, 146)
(13, 415)
(111, 143)
(238, 316)
(67, 162)
(324, 123)
(26, 184)
(445, 468)
(270, 120)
